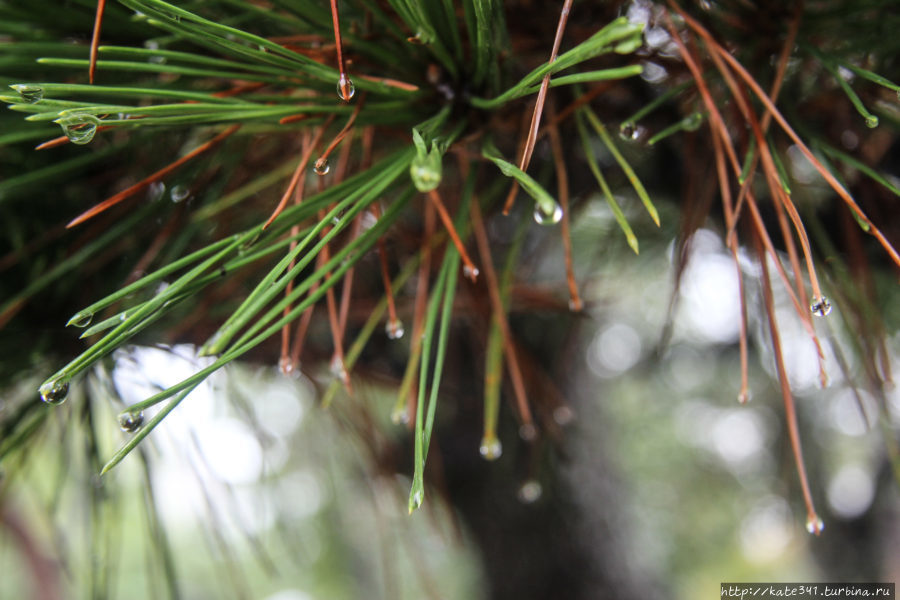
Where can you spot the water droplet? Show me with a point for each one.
(528, 432)
(156, 190)
(337, 368)
(417, 499)
(693, 122)
(400, 416)
(744, 396)
(131, 421)
(545, 218)
(30, 93)
(321, 167)
(54, 391)
(394, 329)
(814, 524)
(82, 319)
(491, 448)
(629, 131)
(286, 365)
(563, 415)
(871, 121)
(530, 492)
(576, 305)
(345, 88)
(821, 307)
(706, 5)
(79, 128)
(471, 272)
(179, 193)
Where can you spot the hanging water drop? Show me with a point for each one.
(81, 319)
(156, 190)
(563, 415)
(337, 368)
(394, 329)
(490, 448)
(528, 432)
(54, 391)
(821, 307)
(871, 121)
(30, 93)
(471, 272)
(576, 305)
(628, 131)
(179, 193)
(530, 492)
(79, 128)
(400, 416)
(345, 88)
(321, 167)
(814, 524)
(131, 421)
(744, 396)
(416, 500)
(548, 218)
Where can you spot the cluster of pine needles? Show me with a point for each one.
(307, 137)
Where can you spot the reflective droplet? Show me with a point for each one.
(544, 218)
(471, 272)
(563, 415)
(576, 305)
(321, 167)
(29, 93)
(179, 193)
(394, 329)
(693, 122)
(530, 492)
(337, 368)
(814, 524)
(79, 128)
(345, 88)
(156, 190)
(55, 391)
(706, 5)
(744, 396)
(820, 307)
(491, 448)
(82, 319)
(400, 416)
(528, 432)
(286, 365)
(131, 421)
(629, 131)
(871, 121)
(416, 500)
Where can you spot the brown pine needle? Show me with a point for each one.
(394, 83)
(789, 409)
(146, 182)
(322, 161)
(509, 350)
(539, 104)
(287, 364)
(95, 39)
(299, 173)
(344, 83)
(730, 217)
(562, 178)
(469, 270)
(385, 273)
